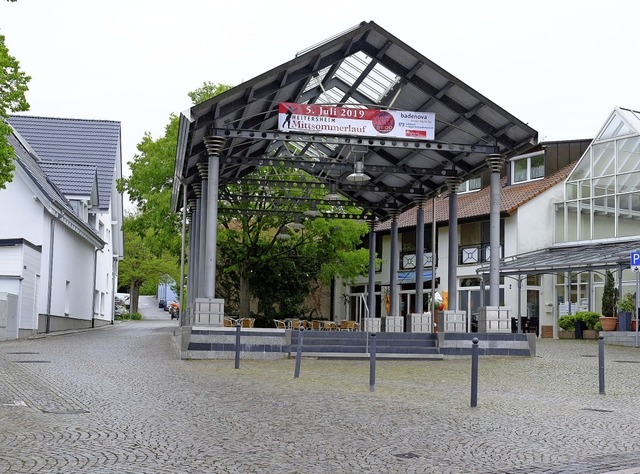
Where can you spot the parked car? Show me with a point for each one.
(162, 304)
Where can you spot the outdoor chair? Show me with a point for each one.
(280, 324)
(229, 322)
(329, 326)
(247, 322)
(315, 325)
(344, 325)
(297, 324)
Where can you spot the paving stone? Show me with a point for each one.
(118, 399)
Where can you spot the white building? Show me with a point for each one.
(59, 257)
(569, 210)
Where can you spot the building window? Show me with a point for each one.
(470, 185)
(527, 169)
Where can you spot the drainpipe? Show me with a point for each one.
(95, 285)
(52, 237)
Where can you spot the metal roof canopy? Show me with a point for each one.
(362, 67)
(577, 257)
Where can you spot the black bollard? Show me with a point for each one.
(237, 345)
(299, 353)
(601, 363)
(372, 363)
(474, 373)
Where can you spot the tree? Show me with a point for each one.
(252, 262)
(151, 182)
(608, 295)
(141, 266)
(13, 86)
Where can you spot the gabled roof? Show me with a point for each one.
(476, 204)
(88, 142)
(51, 197)
(365, 66)
(73, 179)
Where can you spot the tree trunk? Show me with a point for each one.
(133, 297)
(244, 297)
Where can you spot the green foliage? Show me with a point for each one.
(609, 295)
(627, 303)
(590, 319)
(13, 86)
(141, 266)
(151, 182)
(206, 91)
(567, 322)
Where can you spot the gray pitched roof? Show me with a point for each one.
(89, 142)
(72, 179)
(29, 162)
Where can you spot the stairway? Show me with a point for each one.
(354, 344)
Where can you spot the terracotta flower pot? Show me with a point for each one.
(608, 323)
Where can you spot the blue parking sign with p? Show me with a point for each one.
(635, 259)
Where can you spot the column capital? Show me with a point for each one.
(203, 170)
(214, 145)
(453, 183)
(495, 162)
(197, 189)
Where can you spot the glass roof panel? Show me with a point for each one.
(615, 128)
(628, 154)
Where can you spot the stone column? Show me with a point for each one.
(371, 299)
(420, 257)
(208, 310)
(202, 229)
(495, 163)
(453, 244)
(393, 263)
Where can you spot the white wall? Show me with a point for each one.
(73, 263)
(21, 213)
(104, 272)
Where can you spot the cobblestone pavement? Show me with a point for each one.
(119, 400)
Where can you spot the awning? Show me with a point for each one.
(576, 257)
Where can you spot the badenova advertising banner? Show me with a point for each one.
(314, 118)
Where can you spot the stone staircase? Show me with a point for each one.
(347, 344)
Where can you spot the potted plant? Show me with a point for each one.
(626, 309)
(567, 327)
(608, 319)
(591, 324)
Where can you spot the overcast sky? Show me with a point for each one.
(561, 66)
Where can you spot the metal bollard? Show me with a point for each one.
(372, 363)
(474, 372)
(601, 363)
(237, 345)
(299, 352)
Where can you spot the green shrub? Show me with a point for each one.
(567, 322)
(589, 318)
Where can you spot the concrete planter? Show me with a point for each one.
(590, 334)
(562, 334)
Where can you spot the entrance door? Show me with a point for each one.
(470, 302)
(533, 310)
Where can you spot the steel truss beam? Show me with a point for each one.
(292, 184)
(354, 140)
